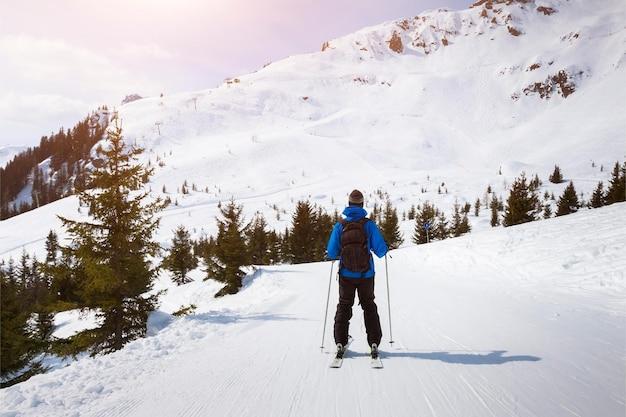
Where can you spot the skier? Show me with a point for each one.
(352, 239)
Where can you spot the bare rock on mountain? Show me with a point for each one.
(488, 4)
(563, 83)
(513, 31)
(130, 98)
(395, 43)
(546, 10)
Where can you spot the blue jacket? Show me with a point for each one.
(375, 241)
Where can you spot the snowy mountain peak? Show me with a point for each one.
(432, 30)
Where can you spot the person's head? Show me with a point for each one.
(355, 199)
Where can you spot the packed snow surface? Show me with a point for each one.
(522, 321)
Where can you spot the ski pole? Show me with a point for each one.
(388, 301)
(330, 280)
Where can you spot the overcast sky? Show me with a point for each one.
(61, 59)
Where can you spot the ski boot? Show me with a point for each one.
(340, 351)
(374, 352)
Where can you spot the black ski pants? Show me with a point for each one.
(347, 289)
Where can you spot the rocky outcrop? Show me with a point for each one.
(488, 4)
(428, 32)
(562, 83)
(130, 98)
(546, 10)
(395, 43)
(513, 31)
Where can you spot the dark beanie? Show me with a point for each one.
(356, 198)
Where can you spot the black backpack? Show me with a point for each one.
(355, 254)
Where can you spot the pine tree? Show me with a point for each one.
(204, 247)
(273, 248)
(41, 300)
(535, 183)
(568, 203)
(521, 206)
(425, 215)
(24, 275)
(322, 227)
(285, 245)
(390, 228)
(180, 259)
(440, 231)
(375, 212)
(111, 252)
(597, 198)
(37, 185)
(547, 211)
(411, 213)
(455, 227)
(18, 349)
(617, 185)
(477, 207)
(257, 241)
(302, 235)
(231, 253)
(460, 223)
(495, 217)
(65, 275)
(52, 247)
(556, 177)
(465, 224)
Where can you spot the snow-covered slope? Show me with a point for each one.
(523, 321)
(359, 114)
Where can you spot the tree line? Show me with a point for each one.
(26, 321)
(524, 204)
(69, 153)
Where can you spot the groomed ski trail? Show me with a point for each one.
(522, 321)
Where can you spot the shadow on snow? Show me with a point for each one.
(227, 317)
(495, 357)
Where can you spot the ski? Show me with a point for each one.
(338, 360)
(336, 363)
(376, 363)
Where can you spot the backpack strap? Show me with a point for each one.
(362, 220)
